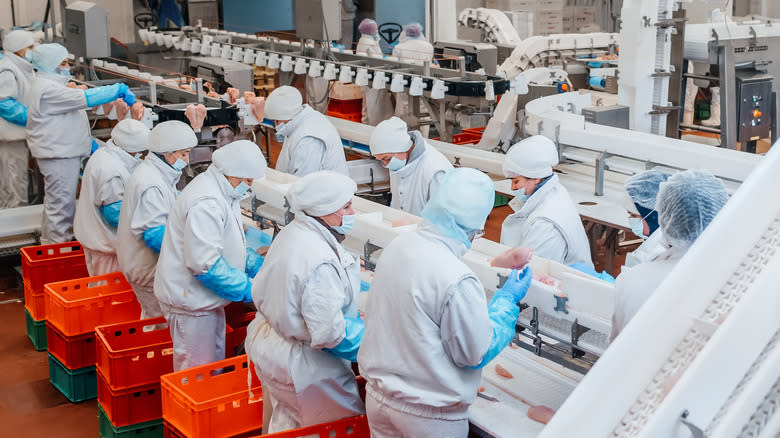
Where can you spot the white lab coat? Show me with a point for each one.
(103, 183)
(635, 285)
(368, 45)
(302, 306)
(427, 324)
(149, 196)
(16, 76)
(413, 185)
(311, 143)
(58, 135)
(648, 251)
(203, 225)
(549, 223)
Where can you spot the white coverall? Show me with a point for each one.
(302, 306)
(549, 223)
(311, 143)
(203, 225)
(427, 323)
(377, 104)
(16, 76)
(103, 183)
(648, 251)
(149, 196)
(413, 185)
(58, 135)
(635, 285)
(414, 51)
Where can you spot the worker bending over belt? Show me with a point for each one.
(641, 193)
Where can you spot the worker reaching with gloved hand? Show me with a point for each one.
(429, 329)
(307, 329)
(58, 134)
(149, 196)
(102, 190)
(204, 263)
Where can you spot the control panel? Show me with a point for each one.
(754, 109)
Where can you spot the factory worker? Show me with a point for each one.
(429, 329)
(309, 141)
(149, 196)
(16, 75)
(686, 203)
(102, 190)
(307, 329)
(544, 217)
(377, 104)
(58, 134)
(641, 192)
(415, 166)
(414, 48)
(204, 263)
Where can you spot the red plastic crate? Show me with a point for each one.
(352, 117)
(468, 136)
(72, 351)
(345, 106)
(353, 427)
(235, 338)
(213, 400)
(236, 310)
(46, 264)
(129, 406)
(134, 353)
(171, 432)
(78, 306)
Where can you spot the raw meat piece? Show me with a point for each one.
(542, 414)
(233, 94)
(121, 109)
(258, 108)
(213, 94)
(515, 258)
(501, 371)
(546, 279)
(249, 96)
(137, 111)
(196, 114)
(185, 87)
(107, 107)
(481, 389)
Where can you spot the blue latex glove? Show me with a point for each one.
(105, 94)
(94, 147)
(253, 262)
(128, 97)
(13, 111)
(227, 282)
(153, 238)
(348, 347)
(364, 286)
(585, 268)
(256, 238)
(504, 311)
(111, 213)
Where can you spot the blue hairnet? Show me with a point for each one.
(643, 187)
(687, 202)
(47, 57)
(461, 203)
(414, 30)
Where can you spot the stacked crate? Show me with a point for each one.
(532, 17)
(579, 19)
(265, 80)
(237, 318)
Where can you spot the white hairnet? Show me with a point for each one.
(368, 27)
(241, 159)
(321, 193)
(643, 187)
(687, 202)
(284, 103)
(533, 157)
(414, 30)
(47, 57)
(17, 40)
(130, 135)
(390, 136)
(172, 136)
(461, 203)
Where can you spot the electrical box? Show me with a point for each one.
(223, 73)
(86, 30)
(616, 116)
(318, 20)
(754, 105)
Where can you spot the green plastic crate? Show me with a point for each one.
(500, 201)
(77, 385)
(36, 331)
(147, 429)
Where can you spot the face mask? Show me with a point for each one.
(242, 190)
(65, 71)
(395, 164)
(520, 195)
(28, 56)
(347, 222)
(637, 226)
(280, 137)
(179, 164)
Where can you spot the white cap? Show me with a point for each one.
(390, 136)
(533, 157)
(284, 103)
(17, 40)
(240, 159)
(321, 193)
(130, 135)
(172, 136)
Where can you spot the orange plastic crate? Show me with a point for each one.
(46, 264)
(134, 353)
(345, 106)
(171, 432)
(213, 400)
(352, 117)
(235, 338)
(353, 427)
(72, 351)
(129, 406)
(78, 306)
